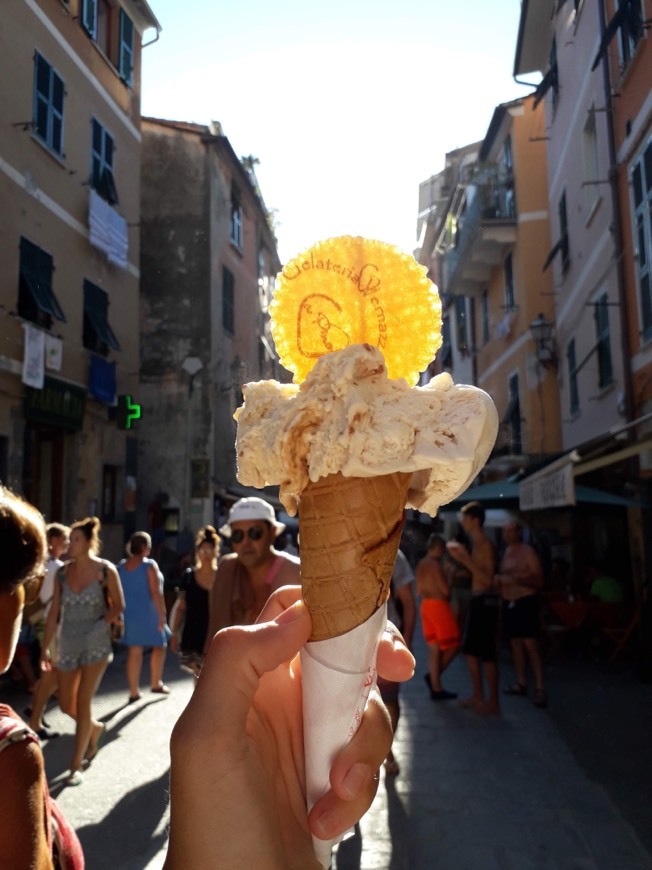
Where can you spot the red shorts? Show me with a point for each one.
(438, 623)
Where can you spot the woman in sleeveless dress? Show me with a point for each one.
(192, 606)
(87, 599)
(33, 831)
(144, 615)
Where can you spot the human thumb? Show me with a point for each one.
(237, 659)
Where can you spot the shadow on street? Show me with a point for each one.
(133, 820)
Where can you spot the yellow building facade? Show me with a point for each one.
(69, 253)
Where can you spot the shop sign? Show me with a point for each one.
(57, 404)
(541, 491)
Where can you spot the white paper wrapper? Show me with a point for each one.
(337, 676)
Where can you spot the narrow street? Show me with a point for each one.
(531, 789)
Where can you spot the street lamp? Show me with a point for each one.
(542, 331)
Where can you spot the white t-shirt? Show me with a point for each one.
(47, 589)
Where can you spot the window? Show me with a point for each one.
(573, 391)
(236, 218)
(508, 160)
(262, 268)
(102, 148)
(126, 51)
(512, 416)
(561, 246)
(628, 23)
(461, 331)
(510, 301)
(484, 306)
(109, 493)
(48, 105)
(228, 301)
(550, 81)
(603, 338)
(445, 354)
(98, 335)
(103, 39)
(563, 232)
(590, 161)
(631, 28)
(89, 17)
(36, 299)
(641, 181)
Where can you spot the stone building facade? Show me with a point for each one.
(208, 262)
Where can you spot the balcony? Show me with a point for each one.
(486, 230)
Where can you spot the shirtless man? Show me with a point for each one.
(520, 579)
(480, 641)
(437, 619)
(247, 577)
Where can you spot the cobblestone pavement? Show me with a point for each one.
(474, 793)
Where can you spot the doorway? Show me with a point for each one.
(43, 467)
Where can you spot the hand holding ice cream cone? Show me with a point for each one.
(351, 447)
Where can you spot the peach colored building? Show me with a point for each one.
(493, 239)
(69, 259)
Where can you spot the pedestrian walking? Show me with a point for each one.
(438, 622)
(255, 569)
(480, 640)
(58, 538)
(191, 610)
(87, 600)
(144, 615)
(520, 580)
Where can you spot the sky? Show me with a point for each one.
(347, 104)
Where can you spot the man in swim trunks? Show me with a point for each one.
(437, 619)
(520, 580)
(247, 577)
(480, 640)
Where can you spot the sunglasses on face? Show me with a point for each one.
(255, 533)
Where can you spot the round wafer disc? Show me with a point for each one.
(350, 290)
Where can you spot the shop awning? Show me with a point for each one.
(506, 494)
(555, 484)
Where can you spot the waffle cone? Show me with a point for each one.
(350, 530)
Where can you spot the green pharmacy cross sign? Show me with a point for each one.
(127, 411)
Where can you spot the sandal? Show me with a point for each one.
(516, 689)
(75, 778)
(540, 698)
(92, 751)
(161, 690)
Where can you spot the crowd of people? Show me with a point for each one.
(77, 606)
(59, 594)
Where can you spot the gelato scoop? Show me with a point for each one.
(348, 417)
(351, 449)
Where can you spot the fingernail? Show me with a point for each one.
(325, 826)
(355, 780)
(291, 614)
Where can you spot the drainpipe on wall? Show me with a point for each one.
(617, 227)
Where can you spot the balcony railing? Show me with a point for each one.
(485, 228)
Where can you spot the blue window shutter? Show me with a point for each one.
(126, 59)
(89, 19)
